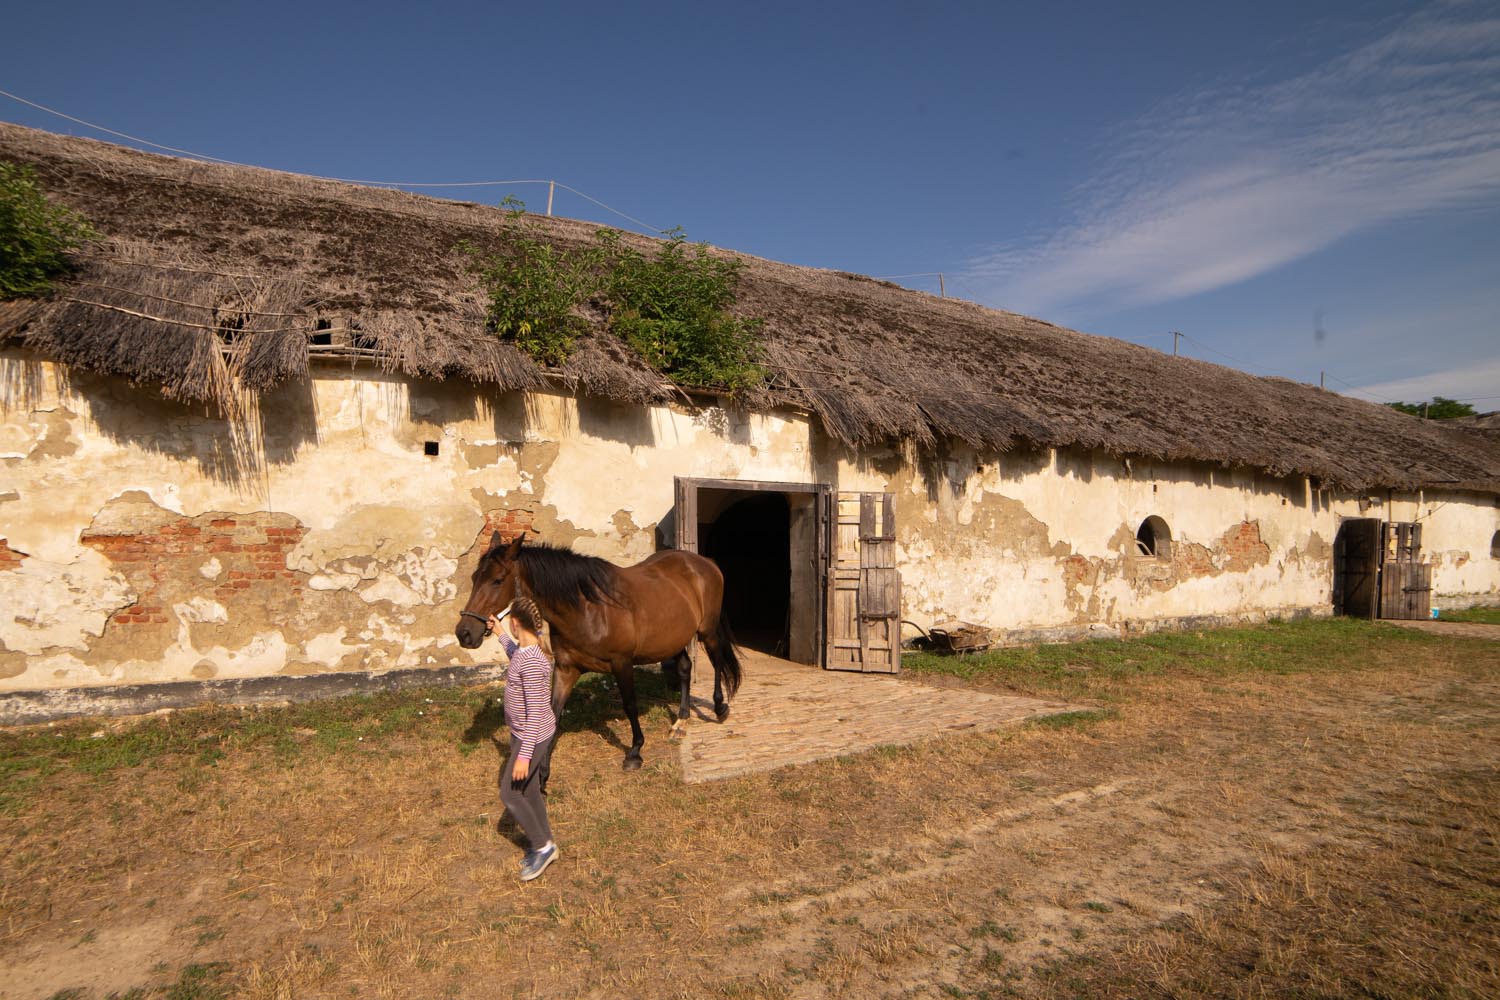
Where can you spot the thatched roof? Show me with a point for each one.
(307, 267)
(1487, 424)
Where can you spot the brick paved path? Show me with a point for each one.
(1464, 630)
(789, 713)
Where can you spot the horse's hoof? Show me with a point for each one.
(632, 764)
(721, 712)
(679, 730)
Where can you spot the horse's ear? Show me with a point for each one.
(515, 546)
(496, 541)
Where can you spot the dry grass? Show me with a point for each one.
(1227, 824)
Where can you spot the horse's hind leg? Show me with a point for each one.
(682, 666)
(625, 678)
(711, 644)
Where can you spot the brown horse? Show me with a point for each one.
(606, 618)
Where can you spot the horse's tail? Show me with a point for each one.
(722, 655)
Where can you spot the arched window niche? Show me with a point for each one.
(1154, 538)
(1495, 545)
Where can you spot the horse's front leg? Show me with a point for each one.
(625, 678)
(565, 674)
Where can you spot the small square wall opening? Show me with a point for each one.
(429, 447)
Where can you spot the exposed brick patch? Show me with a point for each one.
(251, 548)
(1194, 560)
(510, 522)
(9, 558)
(1243, 547)
(1080, 571)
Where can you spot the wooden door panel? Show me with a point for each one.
(864, 586)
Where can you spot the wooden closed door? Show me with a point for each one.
(1405, 581)
(864, 586)
(1406, 590)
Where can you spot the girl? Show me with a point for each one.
(528, 713)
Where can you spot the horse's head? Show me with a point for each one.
(494, 582)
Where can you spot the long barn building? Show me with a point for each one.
(262, 431)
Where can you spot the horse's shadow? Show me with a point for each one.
(593, 706)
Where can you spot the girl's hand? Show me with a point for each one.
(521, 770)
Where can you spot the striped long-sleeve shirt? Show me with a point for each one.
(528, 695)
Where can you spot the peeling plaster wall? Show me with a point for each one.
(1039, 540)
(148, 541)
(1457, 530)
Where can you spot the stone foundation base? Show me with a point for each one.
(24, 707)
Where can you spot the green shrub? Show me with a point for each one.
(534, 287)
(35, 235)
(673, 310)
(672, 307)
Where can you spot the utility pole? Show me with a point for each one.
(1321, 384)
(551, 188)
(1175, 337)
(942, 289)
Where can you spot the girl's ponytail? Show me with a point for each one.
(525, 611)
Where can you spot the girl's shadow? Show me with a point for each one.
(486, 727)
(594, 705)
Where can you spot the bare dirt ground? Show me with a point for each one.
(1212, 828)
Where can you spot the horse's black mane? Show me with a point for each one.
(561, 576)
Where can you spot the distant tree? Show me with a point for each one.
(1441, 408)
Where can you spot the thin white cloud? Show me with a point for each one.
(1479, 381)
(1215, 188)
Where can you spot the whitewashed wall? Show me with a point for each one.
(146, 541)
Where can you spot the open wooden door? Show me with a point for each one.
(686, 509)
(864, 586)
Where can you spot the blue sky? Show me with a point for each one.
(1297, 187)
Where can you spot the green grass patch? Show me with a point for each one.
(1083, 719)
(1103, 669)
(1479, 616)
(201, 982)
(201, 738)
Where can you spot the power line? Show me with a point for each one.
(122, 135)
(596, 201)
(1244, 366)
(1346, 384)
(1356, 388)
(340, 180)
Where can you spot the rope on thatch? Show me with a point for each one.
(182, 302)
(216, 328)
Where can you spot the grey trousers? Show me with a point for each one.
(524, 798)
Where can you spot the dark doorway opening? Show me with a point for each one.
(750, 539)
(768, 539)
(1356, 568)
